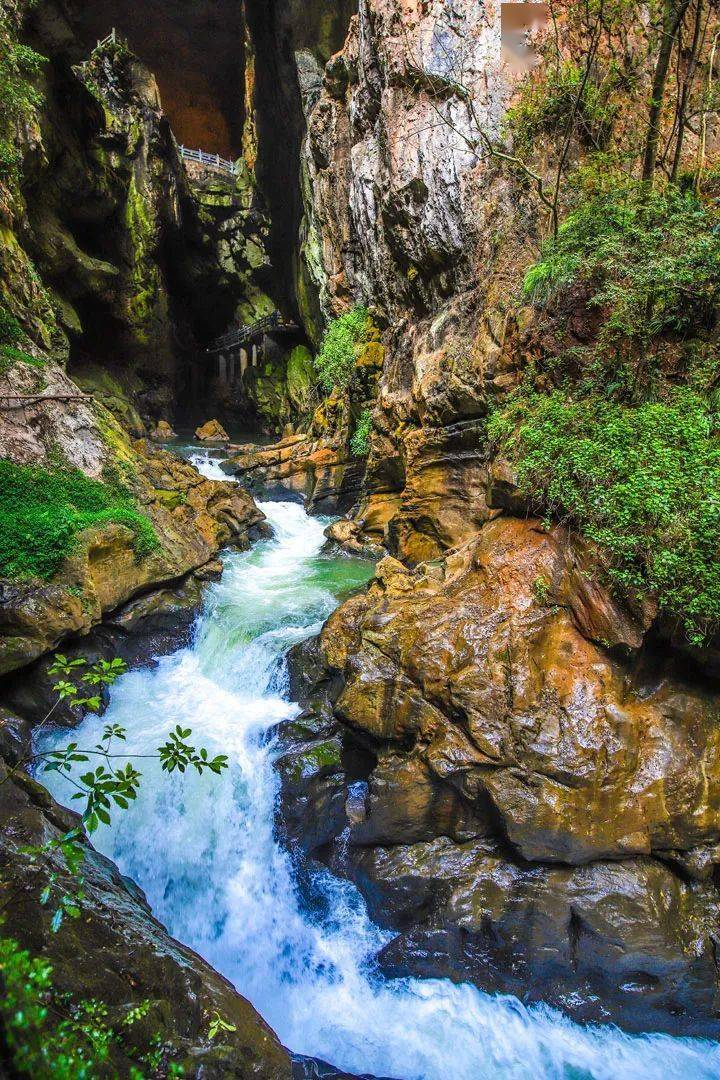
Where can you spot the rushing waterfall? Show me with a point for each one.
(204, 851)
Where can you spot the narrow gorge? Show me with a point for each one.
(359, 539)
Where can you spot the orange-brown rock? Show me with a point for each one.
(542, 805)
(163, 432)
(483, 662)
(320, 470)
(212, 431)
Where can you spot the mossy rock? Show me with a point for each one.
(114, 395)
(315, 759)
(300, 377)
(372, 356)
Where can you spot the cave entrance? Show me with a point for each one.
(227, 72)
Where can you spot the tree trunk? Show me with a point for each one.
(673, 15)
(685, 92)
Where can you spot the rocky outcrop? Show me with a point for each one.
(389, 203)
(193, 517)
(522, 791)
(320, 471)
(213, 432)
(163, 432)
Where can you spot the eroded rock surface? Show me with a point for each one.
(322, 471)
(539, 796)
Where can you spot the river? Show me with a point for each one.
(204, 851)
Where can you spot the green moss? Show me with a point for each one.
(300, 376)
(170, 499)
(43, 511)
(9, 356)
(19, 98)
(344, 338)
(146, 273)
(640, 481)
(322, 757)
(10, 328)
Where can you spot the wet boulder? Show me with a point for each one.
(212, 432)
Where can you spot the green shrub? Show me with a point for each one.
(360, 442)
(547, 100)
(42, 512)
(642, 482)
(335, 363)
(49, 1035)
(651, 260)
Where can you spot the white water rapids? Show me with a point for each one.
(204, 851)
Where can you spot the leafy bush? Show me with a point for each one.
(360, 442)
(42, 512)
(546, 102)
(651, 259)
(642, 482)
(52, 1036)
(335, 363)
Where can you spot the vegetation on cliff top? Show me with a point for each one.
(619, 432)
(642, 481)
(650, 259)
(43, 511)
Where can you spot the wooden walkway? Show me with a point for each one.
(242, 347)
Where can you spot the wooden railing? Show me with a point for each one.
(213, 161)
(241, 335)
(111, 39)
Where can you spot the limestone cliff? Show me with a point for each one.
(516, 743)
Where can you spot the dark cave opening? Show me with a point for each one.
(196, 51)
(210, 59)
(278, 30)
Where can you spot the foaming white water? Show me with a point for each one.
(204, 851)
(205, 461)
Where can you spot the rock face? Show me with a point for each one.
(538, 800)
(321, 471)
(389, 205)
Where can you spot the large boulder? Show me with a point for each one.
(540, 810)
(212, 431)
(163, 432)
